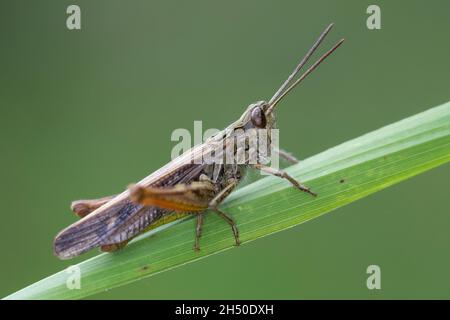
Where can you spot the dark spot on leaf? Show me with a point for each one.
(144, 268)
(341, 181)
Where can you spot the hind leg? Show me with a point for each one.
(84, 207)
(195, 197)
(114, 246)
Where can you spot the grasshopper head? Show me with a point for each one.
(257, 117)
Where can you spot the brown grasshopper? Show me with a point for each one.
(183, 186)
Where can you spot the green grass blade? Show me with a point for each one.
(339, 175)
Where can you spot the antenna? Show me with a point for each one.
(287, 86)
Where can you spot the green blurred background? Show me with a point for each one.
(84, 113)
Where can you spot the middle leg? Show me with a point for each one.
(213, 205)
(198, 231)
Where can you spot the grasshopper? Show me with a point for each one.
(184, 186)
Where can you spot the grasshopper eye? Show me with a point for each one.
(258, 118)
